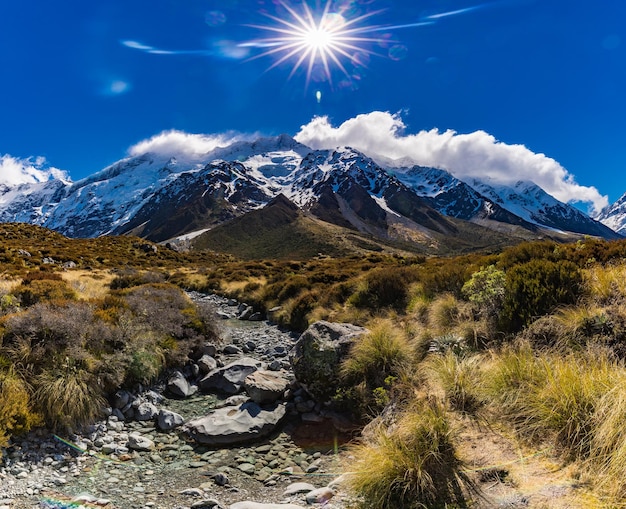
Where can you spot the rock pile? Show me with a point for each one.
(196, 438)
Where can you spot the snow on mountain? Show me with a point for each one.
(167, 193)
(528, 201)
(614, 216)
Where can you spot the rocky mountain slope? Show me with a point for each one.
(162, 196)
(614, 216)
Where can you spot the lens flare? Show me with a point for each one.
(312, 40)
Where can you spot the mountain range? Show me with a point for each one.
(276, 188)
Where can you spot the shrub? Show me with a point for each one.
(537, 287)
(43, 290)
(409, 465)
(383, 288)
(16, 413)
(486, 290)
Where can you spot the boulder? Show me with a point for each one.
(168, 420)
(235, 425)
(316, 357)
(229, 379)
(178, 385)
(146, 411)
(265, 386)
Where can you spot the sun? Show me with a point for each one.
(310, 39)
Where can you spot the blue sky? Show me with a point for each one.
(84, 81)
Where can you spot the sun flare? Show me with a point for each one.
(311, 39)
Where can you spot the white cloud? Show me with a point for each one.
(169, 143)
(476, 154)
(15, 171)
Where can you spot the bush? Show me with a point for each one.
(43, 290)
(535, 288)
(383, 288)
(409, 465)
(16, 413)
(486, 290)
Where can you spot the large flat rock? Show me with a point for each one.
(236, 424)
(229, 379)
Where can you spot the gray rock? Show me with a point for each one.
(178, 385)
(221, 479)
(229, 379)
(206, 363)
(298, 487)
(234, 425)
(317, 355)
(256, 317)
(121, 399)
(168, 420)
(138, 442)
(207, 349)
(146, 411)
(246, 313)
(257, 505)
(319, 496)
(265, 386)
(231, 350)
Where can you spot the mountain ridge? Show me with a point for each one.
(164, 195)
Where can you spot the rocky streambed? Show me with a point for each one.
(231, 430)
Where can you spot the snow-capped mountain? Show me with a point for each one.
(528, 201)
(164, 195)
(614, 216)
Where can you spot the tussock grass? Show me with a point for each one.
(410, 464)
(67, 397)
(608, 444)
(606, 284)
(458, 377)
(551, 395)
(385, 351)
(446, 312)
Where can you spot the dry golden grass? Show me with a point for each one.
(410, 464)
(89, 284)
(606, 284)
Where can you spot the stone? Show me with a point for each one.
(138, 442)
(206, 363)
(320, 496)
(221, 479)
(235, 425)
(258, 505)
(121, 399)
(229, 379)
(317, 355)
(265, 386)
(246, 313)
(209, 503)
(231, 350)
(168, 420)
(146, 412)
(298, 487)
(256, 317)
(178, 385)
(246, 468)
